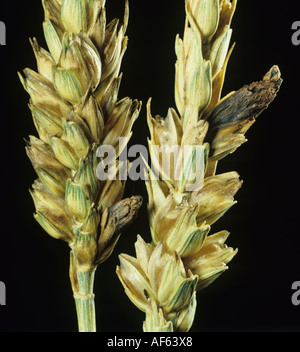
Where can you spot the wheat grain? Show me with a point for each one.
(183, 258)
(75, 108)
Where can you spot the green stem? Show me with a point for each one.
(85, 304)
(82, 285)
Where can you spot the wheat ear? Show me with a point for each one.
(75, 108)
(189, 197)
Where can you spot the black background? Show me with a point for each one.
(255, 293)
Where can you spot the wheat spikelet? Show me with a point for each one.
(190, 197)
(75, 108)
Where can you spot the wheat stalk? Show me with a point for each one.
(75, 108)
(189, 197)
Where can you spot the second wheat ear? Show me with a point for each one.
(75, 108)
(189, 196)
